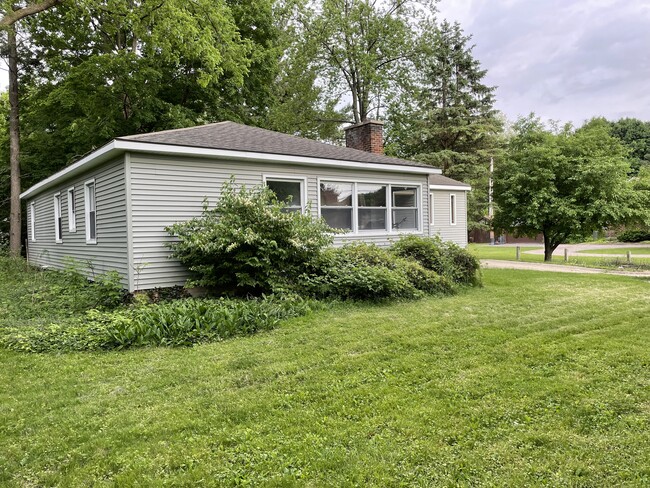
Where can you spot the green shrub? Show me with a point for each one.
(362, 271)
(461, 266)
(444, 258)
(172, 323)
(636, 235)
(249, 243)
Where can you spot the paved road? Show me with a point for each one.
(557, 268)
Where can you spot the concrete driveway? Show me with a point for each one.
(557, 268)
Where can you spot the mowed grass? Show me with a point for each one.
(509, 253)
(535, 379)
(619, 250)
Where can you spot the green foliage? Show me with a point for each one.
(248, 243)
(174, 323)
(564, 183)
(361, 271)
(448, 118)
(635, 136)
(97, 70)
(444, 258)
(363, 48)
(634, 235)
(30, 292)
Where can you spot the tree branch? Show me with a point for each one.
(11, 18)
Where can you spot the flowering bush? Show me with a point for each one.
(249, 243)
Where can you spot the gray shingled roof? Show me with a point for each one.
(443, 180)
(238, 137)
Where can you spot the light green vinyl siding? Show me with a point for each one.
(442, 216)
(166, 190)
(110, 252)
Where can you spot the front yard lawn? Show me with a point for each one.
(619, 250)
(509, 253)
(535, 379)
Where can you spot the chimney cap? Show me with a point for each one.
(364, 122)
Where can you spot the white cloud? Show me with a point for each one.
(566, 61)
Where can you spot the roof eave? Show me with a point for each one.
(118, 146)
(450, 187)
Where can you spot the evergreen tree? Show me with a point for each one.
(448, 119)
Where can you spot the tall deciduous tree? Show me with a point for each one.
(362, 48)
(10, 13)
(116, 67)
(565, 183)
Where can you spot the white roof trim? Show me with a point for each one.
(450, 187)
(117, 146)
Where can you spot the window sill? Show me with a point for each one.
(91, 242)
(380, 234)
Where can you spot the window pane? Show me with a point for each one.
(338, 218)
(336, 194)
(91, 197)
(405, 219)
(370, 219)
(286, 191)
(91, 216)
(452, 210)
(371, 195)
(404, 196)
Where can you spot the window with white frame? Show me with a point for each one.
(58, 221)
(336, 204)
(289, 191)
(72, 210)
(91, 212)
(452, 209)
(32, 221)
(371, 202)
(431, 209)
(370, 207)
(404, 202)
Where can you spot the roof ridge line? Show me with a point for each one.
(180, 129)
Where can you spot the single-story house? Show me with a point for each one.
(109, 210)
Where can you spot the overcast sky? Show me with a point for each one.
(566, 60)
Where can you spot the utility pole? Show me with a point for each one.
(491, 200)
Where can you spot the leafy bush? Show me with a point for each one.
(175, 323)
(249, 243)
(444, 258)
(637, 235)
(362, 271)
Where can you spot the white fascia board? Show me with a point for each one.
(118, 146)
(96, 157)
(450, 187)
(153, 148)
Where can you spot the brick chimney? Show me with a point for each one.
(366, 136)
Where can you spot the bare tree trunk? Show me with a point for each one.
(14, 146)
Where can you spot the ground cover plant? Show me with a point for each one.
(533, 379)
(62, 311)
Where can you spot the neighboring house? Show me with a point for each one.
(111, 208)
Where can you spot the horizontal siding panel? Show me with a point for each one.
(442, 213)
(166, 190)
(110, 252)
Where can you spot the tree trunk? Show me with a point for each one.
(14, 147)
(549, 246)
